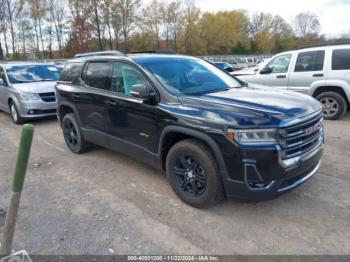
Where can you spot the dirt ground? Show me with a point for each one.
(103, 202)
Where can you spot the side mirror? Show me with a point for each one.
(2, 83)
(266, 70)
(244, 83)
(141, 91)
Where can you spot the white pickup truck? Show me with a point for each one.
(322, 72)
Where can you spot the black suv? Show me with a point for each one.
(213, 135)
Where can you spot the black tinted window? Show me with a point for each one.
(341, 59)
(2, 75)
(310, 61)
(97, 75)
(70, 72)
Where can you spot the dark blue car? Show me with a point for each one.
(213, 135)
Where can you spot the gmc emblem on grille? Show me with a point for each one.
(312, 129)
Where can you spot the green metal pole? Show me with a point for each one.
(17, 186)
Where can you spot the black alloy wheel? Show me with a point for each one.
(193, 173)
(72, 135)
(190, 176)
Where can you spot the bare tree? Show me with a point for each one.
(116, 23)
(107, 19)
(38, 10)
(127, 9)
(12, 10)
(261, 22)
(2, 24)
(57, 10)
(306, 24)
(152, 17)
(24, 30)
(96, 18)
(49, 32)
(172, 18)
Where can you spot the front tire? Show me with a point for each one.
(334, 105)
(15, 116)
(72, 135)
(193, 174)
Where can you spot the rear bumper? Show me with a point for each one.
(37, 109)
(285, 180)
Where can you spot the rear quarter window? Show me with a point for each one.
(341, 59)
(71, 72)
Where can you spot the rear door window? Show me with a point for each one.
(310, 61)
(341, 59)
(97, 75)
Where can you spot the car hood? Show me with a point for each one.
(36, 87)
(254, 106)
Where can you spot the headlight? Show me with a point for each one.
(253, 136)
(28, 96)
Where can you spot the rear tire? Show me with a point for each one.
(334, 105)
(193, 174)
(15, 116)
(72, 135)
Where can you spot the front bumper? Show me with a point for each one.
(37, 109)
(277, 180)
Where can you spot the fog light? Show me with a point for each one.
(31, 112)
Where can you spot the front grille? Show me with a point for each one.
(48, 97)
(300, 138)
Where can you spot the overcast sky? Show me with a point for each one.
(334, 15)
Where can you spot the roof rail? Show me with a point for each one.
(101, 53)
(161, 51)
(326, 44)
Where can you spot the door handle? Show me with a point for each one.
(111, 102)
(281, 76)
(317, 75)
(76, 95)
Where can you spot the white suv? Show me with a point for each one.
(322, 72)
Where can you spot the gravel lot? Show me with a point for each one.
(104, 202)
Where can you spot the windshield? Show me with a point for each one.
(223, 65)
(189, 76)
(32, 73)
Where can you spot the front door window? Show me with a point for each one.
(280, 64)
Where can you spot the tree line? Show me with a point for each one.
(62, 28)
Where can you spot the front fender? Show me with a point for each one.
(13, 98)
(200, 136)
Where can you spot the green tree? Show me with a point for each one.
(222, 32)
(152, 19)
